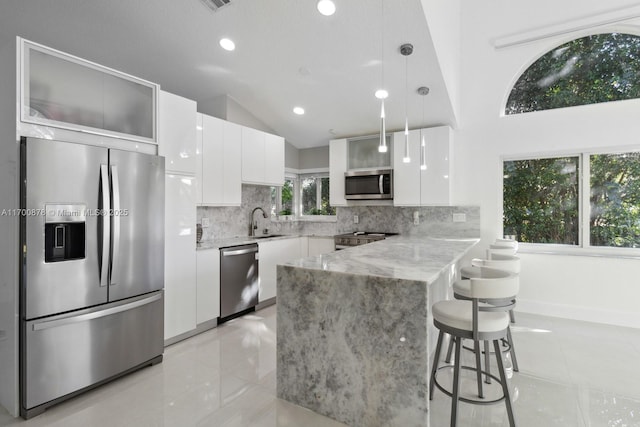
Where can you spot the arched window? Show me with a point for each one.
(588, 70)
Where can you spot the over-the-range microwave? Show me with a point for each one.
(368, 184)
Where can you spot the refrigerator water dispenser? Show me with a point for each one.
(64, 232)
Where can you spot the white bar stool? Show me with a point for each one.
(462, 290)
(463, 319)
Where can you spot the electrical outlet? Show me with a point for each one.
(356, 219)
(205, 222)
(416, 218)
(459, 217)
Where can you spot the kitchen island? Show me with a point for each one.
(353, 329)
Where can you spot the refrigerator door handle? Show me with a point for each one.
(95, 315)
(115, 216)
(106, 225)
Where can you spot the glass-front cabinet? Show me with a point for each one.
(67, 92)
(363, 153)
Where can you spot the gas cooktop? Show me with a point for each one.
(343, 241)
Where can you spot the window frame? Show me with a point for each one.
(584, 205)
(297, 214)
(294, 206)
(318, 176)
(553, 45)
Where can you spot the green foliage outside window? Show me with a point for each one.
(540, 200)
(589, 70)
(615, 200)
(312, 202)
(287, 198)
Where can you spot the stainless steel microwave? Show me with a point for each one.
(368, 185)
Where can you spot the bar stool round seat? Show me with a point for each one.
(458, 314)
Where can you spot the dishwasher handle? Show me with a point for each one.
(239, 251)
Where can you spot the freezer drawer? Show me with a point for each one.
(66, 353)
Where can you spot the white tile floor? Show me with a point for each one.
(571, 374)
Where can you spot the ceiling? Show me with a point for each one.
(287, 54)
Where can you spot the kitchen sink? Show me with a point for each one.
(265, 236)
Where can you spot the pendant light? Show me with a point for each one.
(424, 91)
(406, 50)
(382, 93)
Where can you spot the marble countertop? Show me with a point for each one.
(397, 257)
(246, 240)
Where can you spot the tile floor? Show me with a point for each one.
(571, 374)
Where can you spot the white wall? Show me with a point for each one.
(314, 158)
(596, 289)
(443, 19)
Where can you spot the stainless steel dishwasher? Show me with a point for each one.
(238, 280)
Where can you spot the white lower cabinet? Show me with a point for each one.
(320, 245)
(208, 285)
(272, 253)
(179, 255)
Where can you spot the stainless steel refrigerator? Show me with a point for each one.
(92, 267)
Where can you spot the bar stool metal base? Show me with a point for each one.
(458, 335)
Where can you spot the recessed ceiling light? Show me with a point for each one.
(381, 94)
(326, 7)
(298, 110)
(227, 44)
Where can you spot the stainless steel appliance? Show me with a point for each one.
(368, 184)
(92, 267)
(343, 241)
(238, 280)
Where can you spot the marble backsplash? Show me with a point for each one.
(435, 221)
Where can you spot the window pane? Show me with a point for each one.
(326, 208)
(274, 201)
(541, 200)
(615, 200)
(287, 197)
(309, 196)
(588, 70)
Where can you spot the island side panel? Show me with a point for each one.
(353, 347)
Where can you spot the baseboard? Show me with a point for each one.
(587, 314)
(266, 303)
(200, 328)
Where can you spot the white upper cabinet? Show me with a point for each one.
(337, 168)
(177, 133)
(253, 163)
(364, 153)
(430, 187)
(220, 162)
(406, 176)
(58, 90)
(262, 158)
(274, 160)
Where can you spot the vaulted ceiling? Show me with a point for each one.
(287, 54)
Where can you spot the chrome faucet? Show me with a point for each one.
(253, 225)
